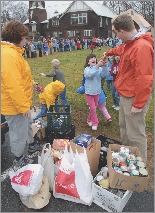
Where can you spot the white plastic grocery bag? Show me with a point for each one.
(27, 180)
(47, 163)
(74, 179)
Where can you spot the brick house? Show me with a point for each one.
(81, 18)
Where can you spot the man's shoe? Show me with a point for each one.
(22, 162)
(36, 147)
(94, 127)
(89, 123)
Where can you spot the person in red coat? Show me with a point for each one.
(78, 44)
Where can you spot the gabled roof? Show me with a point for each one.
(44, 22)
(100, 10)
(58, 9)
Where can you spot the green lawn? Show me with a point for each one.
(72, 63)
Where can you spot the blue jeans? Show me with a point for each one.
(63, 100)
(43, 112)
(51, 50)
(115, 95)
(109, 82)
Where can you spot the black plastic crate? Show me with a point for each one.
(105, 141)
(59, 121)
(68, 134)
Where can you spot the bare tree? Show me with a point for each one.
(13, 10)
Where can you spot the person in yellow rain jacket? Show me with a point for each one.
(16, 92)
(48, 97)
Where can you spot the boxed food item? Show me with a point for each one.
(108, 200)
(93, 153)
(119, 180)
(84, 140)
(60, 144)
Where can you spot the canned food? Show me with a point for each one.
(124, 150)
(143, 172)
(134, 172)
(140, 164)
(123, 166)
(132, 167)
(115, 155)
(122, 157)
(131, 159)
(115, 161)
(126, 173)
(139, 159)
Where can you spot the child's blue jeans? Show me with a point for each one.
(63, 100)
(115, 95)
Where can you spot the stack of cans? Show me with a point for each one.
(128, 163)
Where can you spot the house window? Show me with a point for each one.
(87, 32)
(71, 33)
(55, 22)
(106, 21)
(47, 24)
(79, 18)
(55, 34)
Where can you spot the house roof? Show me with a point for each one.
(100, 10)
(52, 9)
(44, 22)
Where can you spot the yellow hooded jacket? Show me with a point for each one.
(16, 80)
(51, 91)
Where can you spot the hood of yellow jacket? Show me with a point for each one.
(6, 44)
(57, 87)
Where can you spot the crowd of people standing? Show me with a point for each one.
(45, 46)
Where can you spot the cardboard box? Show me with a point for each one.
(137, 18)
(93, 154)
(120, 181)
(108, 200)
(83, 140)
(39, 131)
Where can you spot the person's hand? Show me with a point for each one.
(135, 110)
(27, 114)
(42, 74)
(101, 63)
(104, 56)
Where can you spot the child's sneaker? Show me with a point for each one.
(89, 123)
(109, 120)
(94, 127)
(36, 147)
(114, 106)
(117, 108)
(22, 162)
